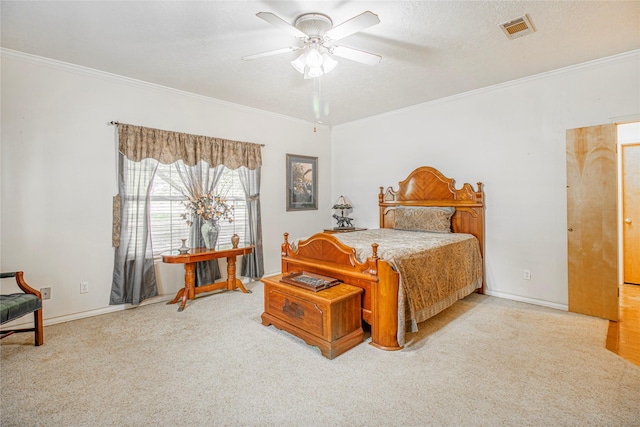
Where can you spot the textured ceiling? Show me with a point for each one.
(429, 49)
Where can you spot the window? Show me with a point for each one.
(167, 204)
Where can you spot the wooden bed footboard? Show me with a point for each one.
(324, 254)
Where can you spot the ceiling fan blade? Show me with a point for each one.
(270, 53)
(355, 55)
(282, 24)
(353, 25)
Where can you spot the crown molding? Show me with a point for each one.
(116, 78)
(631, 55)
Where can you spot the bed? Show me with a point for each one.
(409, 271)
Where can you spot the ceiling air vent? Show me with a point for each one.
(517, 27)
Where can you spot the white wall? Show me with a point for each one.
(511, 137)
(58, 172)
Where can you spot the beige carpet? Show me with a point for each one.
(484, 362)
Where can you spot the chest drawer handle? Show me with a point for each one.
(292, 309)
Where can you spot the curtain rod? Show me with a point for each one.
(114, 123)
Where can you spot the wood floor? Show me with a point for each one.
(623, 337)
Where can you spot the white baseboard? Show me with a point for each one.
(90, 313)
(99, 311)
(534, 301)
(105, 310)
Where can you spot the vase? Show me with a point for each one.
(184, 248)
(210, 230)
(235, 239)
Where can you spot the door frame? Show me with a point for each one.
(623, 139)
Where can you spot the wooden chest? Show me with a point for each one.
(329, 319)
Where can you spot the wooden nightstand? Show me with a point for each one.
(342, 230)
(329, 319)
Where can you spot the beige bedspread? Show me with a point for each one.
(436, 269)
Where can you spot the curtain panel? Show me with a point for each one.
(138, 143)
(253, 264)
(134, 278)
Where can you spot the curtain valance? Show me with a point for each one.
(138, 143)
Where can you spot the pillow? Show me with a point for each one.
(419, 218)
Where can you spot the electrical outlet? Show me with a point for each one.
(46, 293)
(84, 287)
(526, 274)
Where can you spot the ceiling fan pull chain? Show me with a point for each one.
(318, 102)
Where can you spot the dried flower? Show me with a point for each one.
(209, 207)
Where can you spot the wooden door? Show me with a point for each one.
(592, 234)
(631, 212)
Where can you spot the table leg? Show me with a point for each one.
(178, 296)
(190, 279)
(183, 304)
(189, 290)
(232, 281)
(182, 294)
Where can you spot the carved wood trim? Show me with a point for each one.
(426, 186)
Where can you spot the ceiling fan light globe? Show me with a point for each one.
(313, 72)
(328, 63)
(299, 63)
(314, 58)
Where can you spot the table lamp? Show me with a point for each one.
(342, 205)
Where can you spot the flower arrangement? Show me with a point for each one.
(209, 207)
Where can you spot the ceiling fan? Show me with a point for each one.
(317, 33)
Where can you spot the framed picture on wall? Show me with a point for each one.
(302, 182)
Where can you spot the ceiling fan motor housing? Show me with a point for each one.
(314, 24)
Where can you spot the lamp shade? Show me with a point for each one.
(342, 203)
(299, 63)
(328, 63)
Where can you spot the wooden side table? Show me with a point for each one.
(202, 254)
(342, 230)
(329, 319)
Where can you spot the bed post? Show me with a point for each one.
(284, 252)
(480, 235)
(384, 328)
(381, 208)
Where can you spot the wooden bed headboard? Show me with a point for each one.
(426, 186)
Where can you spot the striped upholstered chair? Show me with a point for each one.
(20, 304)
